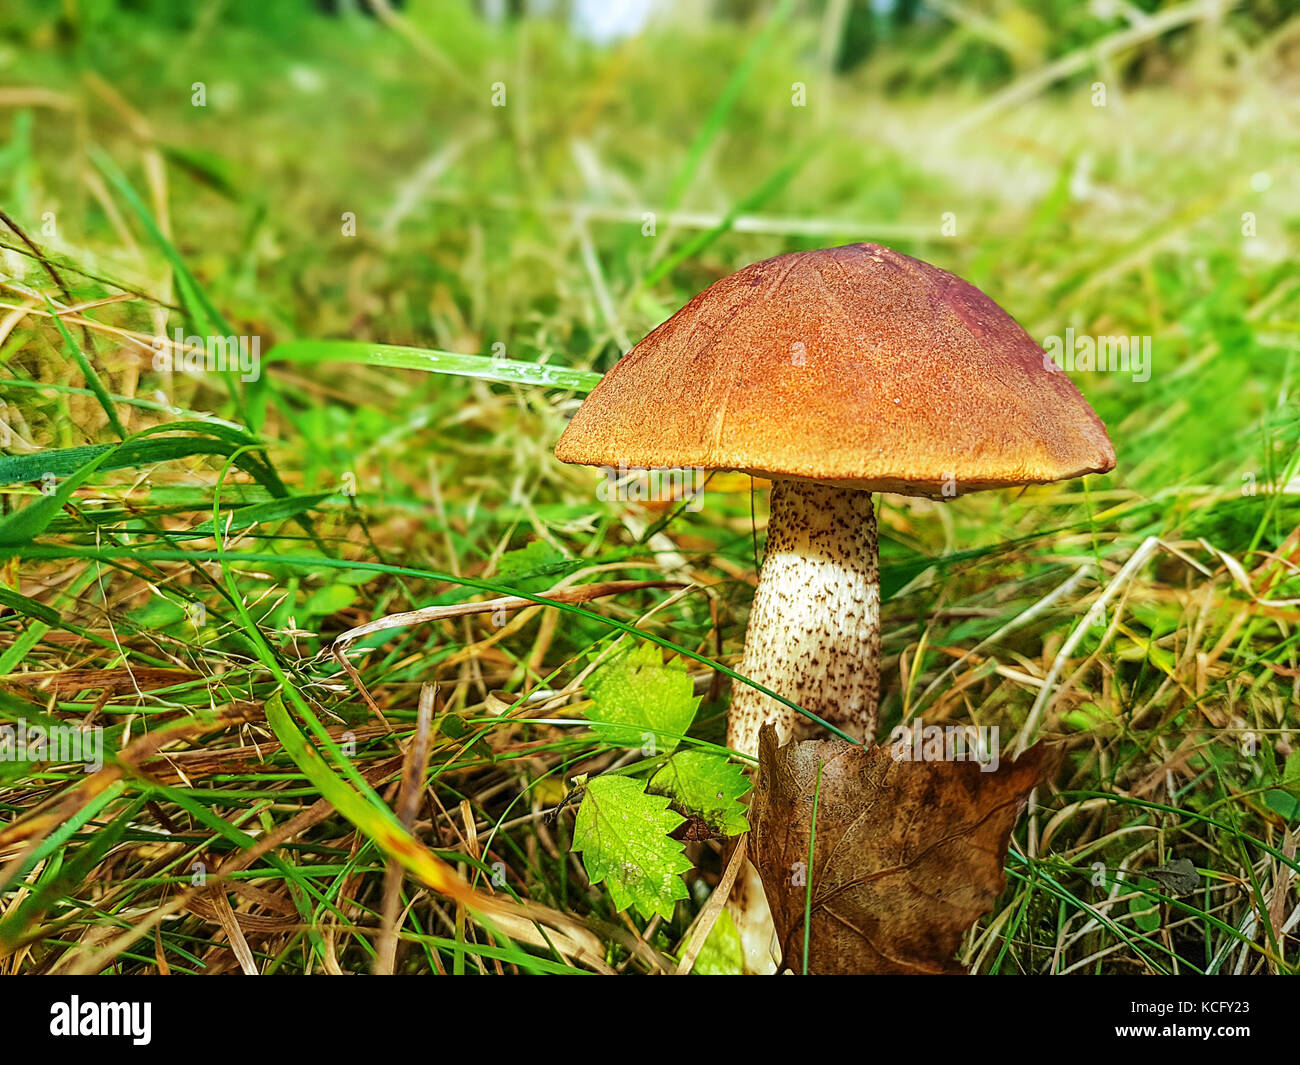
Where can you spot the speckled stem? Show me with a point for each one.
(814, 628)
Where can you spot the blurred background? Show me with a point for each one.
(524, 174)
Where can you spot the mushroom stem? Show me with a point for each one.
(814, 637)
(814, 628)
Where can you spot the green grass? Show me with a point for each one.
(398, 445)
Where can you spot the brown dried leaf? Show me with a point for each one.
(908, 854)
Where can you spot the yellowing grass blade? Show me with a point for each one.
(378, 823)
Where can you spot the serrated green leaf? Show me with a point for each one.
(706, 784)
(623, 835)
(639, 701)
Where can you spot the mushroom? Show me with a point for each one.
(834, 374)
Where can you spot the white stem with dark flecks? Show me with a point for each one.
(814, 628)
(813, 637)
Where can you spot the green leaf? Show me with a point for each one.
(1291, 774)
(28, 607)
(1145, 908)
(623, 835)
(27, 524)
(1283, 803)
(158, 613)
(722, 954)
(706, 784)
(533, 555)
(638, 701)
(329, 600)
(535, 566)
(212, 169)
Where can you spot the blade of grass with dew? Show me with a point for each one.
(432, 360)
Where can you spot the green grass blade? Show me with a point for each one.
(432, 360)
(88, 373)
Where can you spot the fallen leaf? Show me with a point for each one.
(705, 786)
(909, 854)
(623, 835)
(1179, 877)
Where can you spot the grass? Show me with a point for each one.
(180, 550)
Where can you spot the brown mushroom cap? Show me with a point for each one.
(857, 366)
